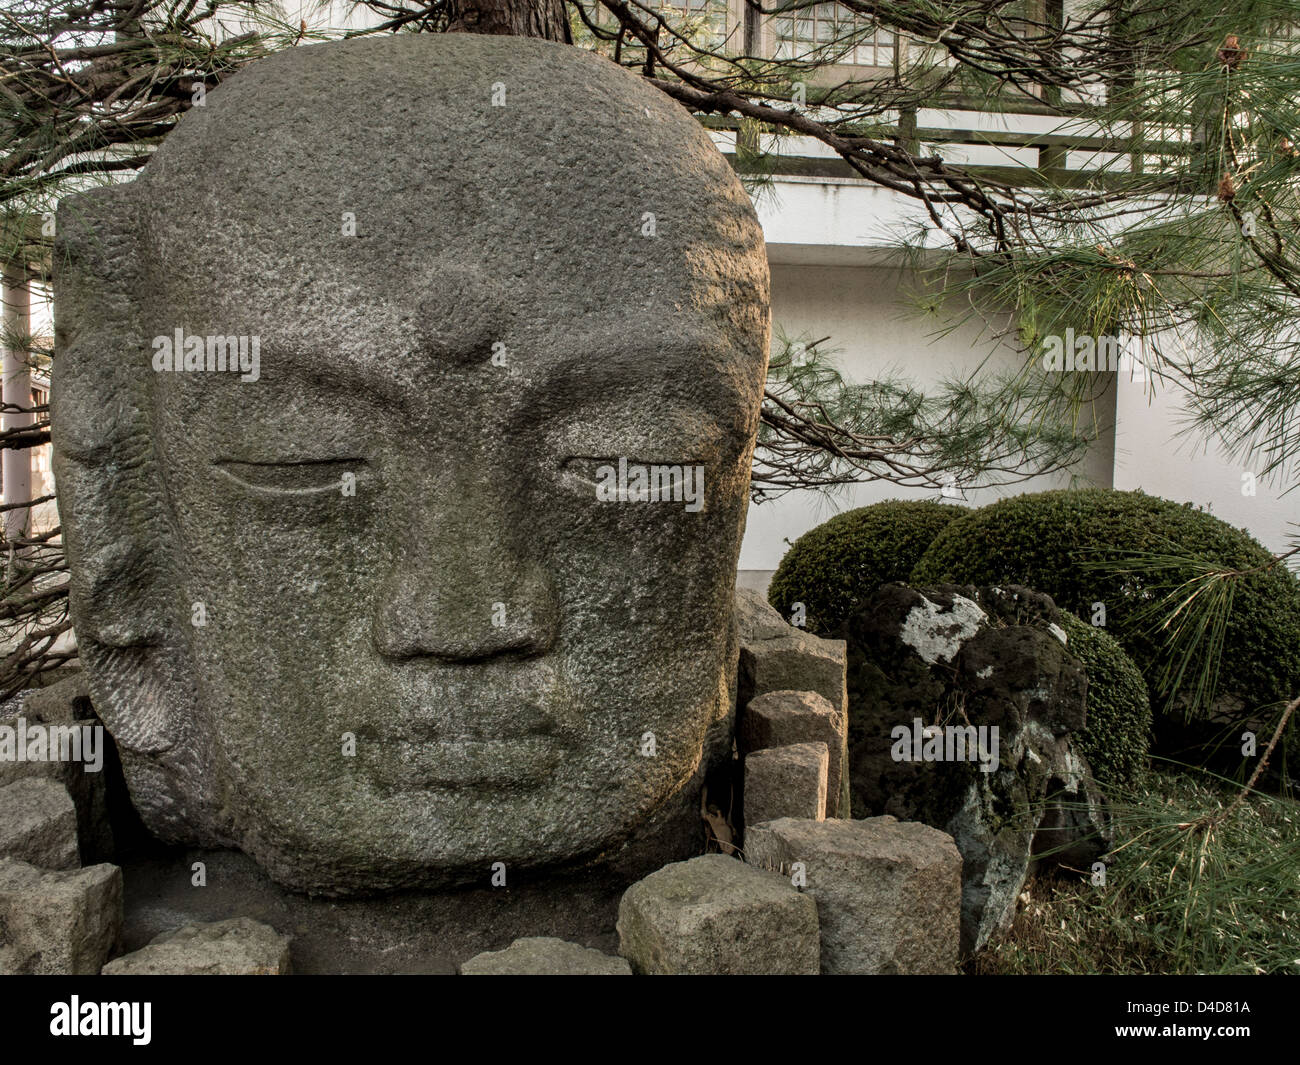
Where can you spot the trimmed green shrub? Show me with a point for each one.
(1042, 540)
(830, 568)
(1117, 737)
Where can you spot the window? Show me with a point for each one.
(846, 36)
(701, 22)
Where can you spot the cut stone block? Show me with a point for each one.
(545, 956)
(237, 947)
(716, 915)
(786, 782)
(58, 923)
(775, 657)
(888, 893)
(62, 707)
(38, 824)
(780, 718)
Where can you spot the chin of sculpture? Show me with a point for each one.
(402, 421)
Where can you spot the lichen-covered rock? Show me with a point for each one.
(786, 782)
(777, 657)
(545, 956)
(38, 824)
(238, 947)
(716, 915)
(888, 894)
(963, 702)
(61, 923)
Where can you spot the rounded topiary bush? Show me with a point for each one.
(1117, 736)
(832, 567)
(1042, 540)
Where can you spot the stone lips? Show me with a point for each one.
(472, 222)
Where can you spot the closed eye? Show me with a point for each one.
(299, 478)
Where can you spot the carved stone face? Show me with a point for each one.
(374, 609)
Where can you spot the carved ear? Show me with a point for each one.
(112, 506)
(108, 494)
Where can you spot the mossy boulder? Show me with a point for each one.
(963, 705)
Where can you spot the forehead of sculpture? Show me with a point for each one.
(494, 169)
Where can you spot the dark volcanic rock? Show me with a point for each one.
(962, 702)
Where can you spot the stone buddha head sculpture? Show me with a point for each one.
(403, 418)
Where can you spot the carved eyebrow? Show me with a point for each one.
(684, 345)
(362, 372)
(583, 364)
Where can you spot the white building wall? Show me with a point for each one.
(835, 273)
(865, 310)
(1150, 455)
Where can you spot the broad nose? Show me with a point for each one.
(460, 590)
